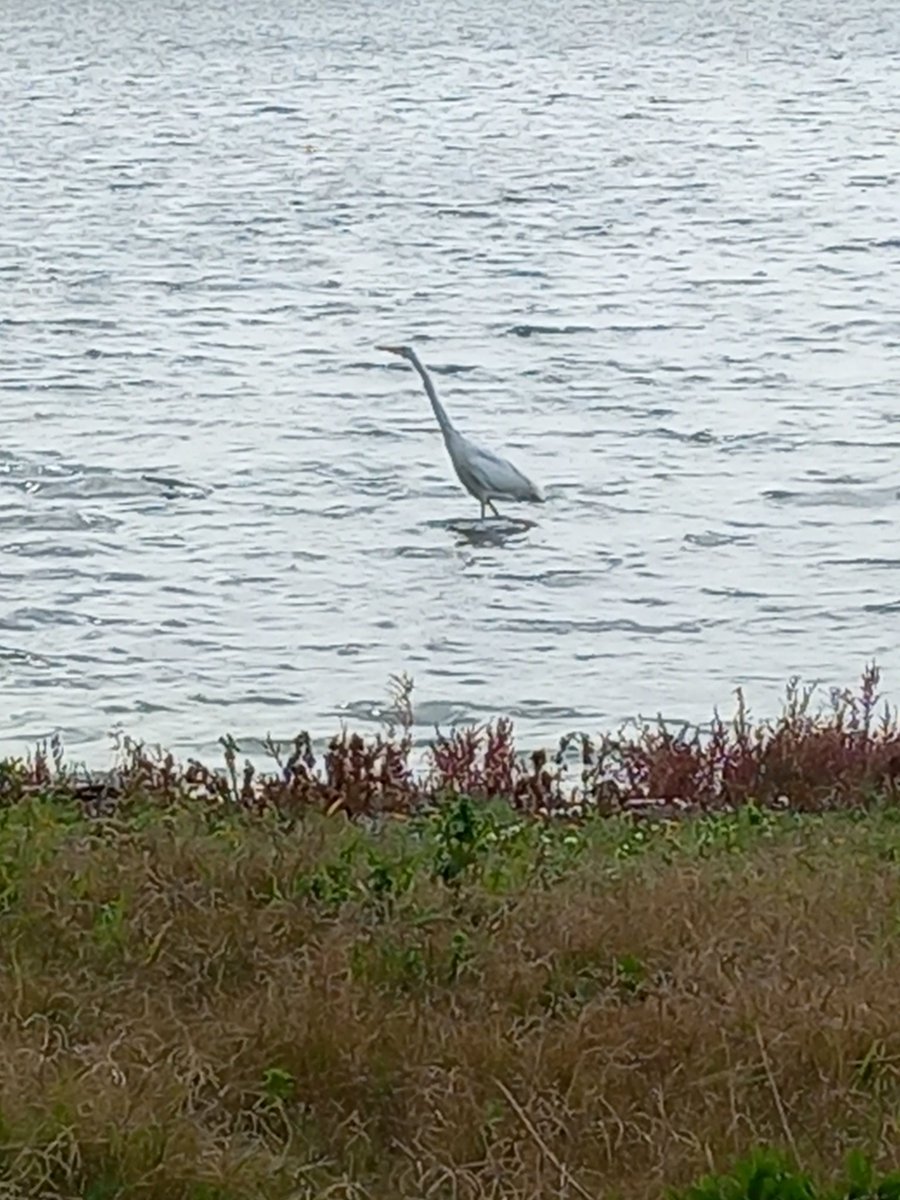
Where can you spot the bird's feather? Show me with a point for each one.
(486, 475)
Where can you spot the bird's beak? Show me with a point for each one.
(389, 349)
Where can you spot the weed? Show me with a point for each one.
(459, 835)
(845, 753)
(278, 1084)
(767, 1175)
(387, 880)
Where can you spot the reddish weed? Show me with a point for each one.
(841, 755)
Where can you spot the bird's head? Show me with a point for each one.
(403, 351)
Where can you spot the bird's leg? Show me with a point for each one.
(482, 510)
(490, 505)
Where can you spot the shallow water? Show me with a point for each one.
(650, 251)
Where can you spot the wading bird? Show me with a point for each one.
(483, 474)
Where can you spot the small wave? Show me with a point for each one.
(62, 520)
(177, 488)
(710, 539)
(559, 579)
(699, 437)
(616, 625)
(23, 658)
(470, 214)
(525, 331)
(869, 564)
(875, 498)
(428, 713)
(733, 593)
(244, 698)
(24, 620)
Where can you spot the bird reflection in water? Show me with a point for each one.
(489, 533)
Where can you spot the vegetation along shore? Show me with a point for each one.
(644, 965)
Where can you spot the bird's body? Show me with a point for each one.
(483, 474)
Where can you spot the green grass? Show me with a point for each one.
(200, 1002)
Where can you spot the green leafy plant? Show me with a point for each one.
(278, 1084)
(768, 1175)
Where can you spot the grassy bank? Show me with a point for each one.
(602, 971)
(214, 1002)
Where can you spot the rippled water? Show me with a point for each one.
(649, 250)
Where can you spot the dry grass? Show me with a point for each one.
(207, 1005)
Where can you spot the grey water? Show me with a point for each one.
(650, 251)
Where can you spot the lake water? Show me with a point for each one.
(650, 251)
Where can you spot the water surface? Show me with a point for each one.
(649, 250)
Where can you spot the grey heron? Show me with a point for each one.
(482, 473)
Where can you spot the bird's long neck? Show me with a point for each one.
(439, 411)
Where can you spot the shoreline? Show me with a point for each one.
(842, 753)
